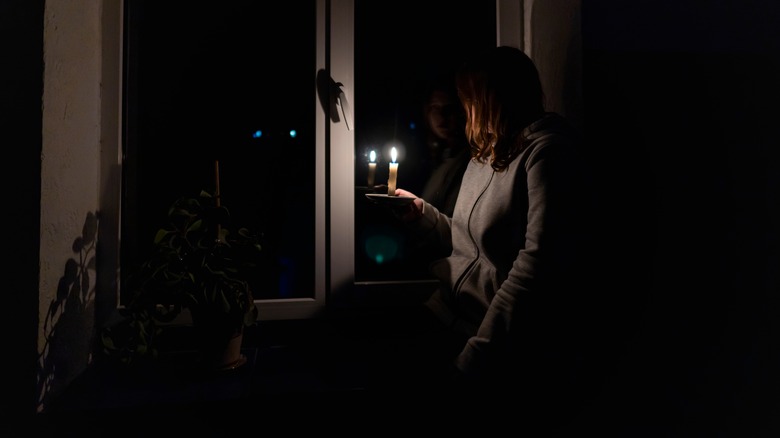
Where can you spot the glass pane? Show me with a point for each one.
(229, 81)
(400, 48)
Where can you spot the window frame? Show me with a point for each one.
(334, 277)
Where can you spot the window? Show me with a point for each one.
(231, 84)
(242, 83)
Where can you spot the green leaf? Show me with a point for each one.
(161, 234)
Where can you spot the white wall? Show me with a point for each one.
(78, 136)
(552, 37)
(550, 32)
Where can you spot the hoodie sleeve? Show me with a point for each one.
(433, 228)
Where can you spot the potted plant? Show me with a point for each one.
(199, 263)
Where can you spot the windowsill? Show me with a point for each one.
(294, 360)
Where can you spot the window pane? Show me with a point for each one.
(399, 48)
(229, 81)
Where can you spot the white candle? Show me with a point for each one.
(391, 181)
(371, 168)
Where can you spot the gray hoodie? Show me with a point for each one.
(515, 242)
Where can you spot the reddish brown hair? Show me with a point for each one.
(502, 94)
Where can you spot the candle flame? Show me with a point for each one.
(393, 154)
(372, 156)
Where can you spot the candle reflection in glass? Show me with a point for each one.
(371, 168)
(391, 181)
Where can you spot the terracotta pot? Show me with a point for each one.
(220, 350)
(231, 356)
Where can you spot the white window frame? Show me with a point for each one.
(310, 307)
(335, 158)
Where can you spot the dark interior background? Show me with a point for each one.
(21, 87)
(680, 114)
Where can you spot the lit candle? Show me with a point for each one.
(371, 168)
(393, 173)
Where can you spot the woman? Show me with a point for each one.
(513, 284)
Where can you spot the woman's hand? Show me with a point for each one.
(411, 211)
(402, 192)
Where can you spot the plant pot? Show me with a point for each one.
(220, 350)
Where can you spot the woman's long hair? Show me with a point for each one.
(502, 94)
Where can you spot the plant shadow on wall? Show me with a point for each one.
(66, 350)
(200, 263)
